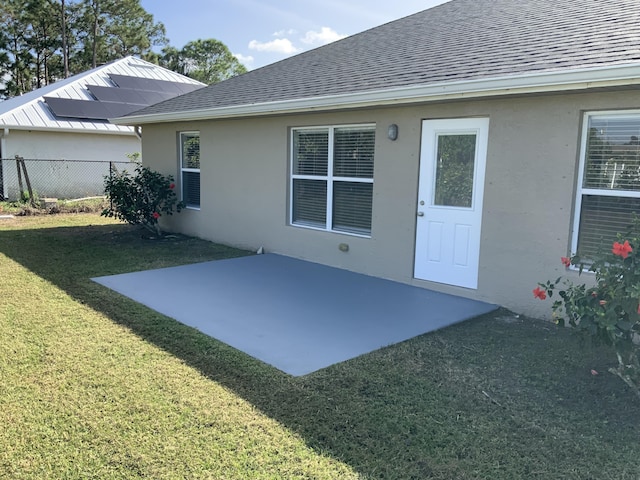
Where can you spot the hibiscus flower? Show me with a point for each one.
(622, 249)
(539, 293)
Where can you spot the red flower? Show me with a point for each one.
(172, 186)
(603, 302)
(539, 293)
(156, 215)
(622, 249)
(566, 261)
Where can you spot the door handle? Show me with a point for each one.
(421, 214)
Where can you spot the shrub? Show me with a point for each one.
(609, 310)
(141, 199)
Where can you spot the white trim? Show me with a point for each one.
(329, 178)
(129, 132)
(539, 82)
(188, 170)
(436, 227)
(580, 189)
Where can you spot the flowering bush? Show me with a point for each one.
(141, 199)
(610, 309)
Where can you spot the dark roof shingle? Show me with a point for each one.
(457, 41)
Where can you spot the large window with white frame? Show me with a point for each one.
(190, 168)
(332, 178)
(609, 189)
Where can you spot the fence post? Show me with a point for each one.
(26, 178)
(110, 179)
(20, 186)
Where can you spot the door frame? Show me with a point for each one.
(431, 128)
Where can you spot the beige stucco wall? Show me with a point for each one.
(528, 199)
(64, 180)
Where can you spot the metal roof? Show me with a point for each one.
(459, 41)
(31, 112)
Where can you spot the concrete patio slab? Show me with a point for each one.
(294, 315)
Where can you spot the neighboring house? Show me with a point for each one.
(465, 148)
(69, 120)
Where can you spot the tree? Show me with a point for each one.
(112, 29)
(208, 61)
(44, 40)
(65, 50)
(16, 49)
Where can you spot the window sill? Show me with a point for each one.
(338, 232)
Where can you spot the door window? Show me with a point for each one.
(455, 161)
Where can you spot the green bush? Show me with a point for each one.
(608, 311)
(141, 199)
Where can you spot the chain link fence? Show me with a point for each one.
(62, 179)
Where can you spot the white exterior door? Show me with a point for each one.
(452, 167)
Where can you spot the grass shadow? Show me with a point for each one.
(495, 397)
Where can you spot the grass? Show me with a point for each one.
(81, 205)
(93, 385)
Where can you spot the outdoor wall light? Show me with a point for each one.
(392, 131)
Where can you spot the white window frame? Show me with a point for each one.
(329, 178)
(188, 170)
(581, 190)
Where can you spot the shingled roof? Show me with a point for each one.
(461, 43)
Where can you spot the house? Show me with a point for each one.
(69, 120)
(465, 148)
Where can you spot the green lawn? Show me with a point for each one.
(93, 385)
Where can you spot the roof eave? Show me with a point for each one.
(76, 130)
(545, 82)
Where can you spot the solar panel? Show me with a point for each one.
(88, 109)
(128, 95)
(153, 85)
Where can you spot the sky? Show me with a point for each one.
(263, 32)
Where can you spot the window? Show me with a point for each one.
(190, 168)
(609, 192)
(332, 178)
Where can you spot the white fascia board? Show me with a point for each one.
(546, 82)
(129, 132)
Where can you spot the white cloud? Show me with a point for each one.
(284, 33)
(324, 36)
(282, 45)
(246, 60)
(279, 45)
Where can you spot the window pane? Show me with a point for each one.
(353, 152)
(613, 154)
(190, 144)
(601, 219)
(310, 202)
(352, 204)
(191, 188)
(455, 166)
(310, 152)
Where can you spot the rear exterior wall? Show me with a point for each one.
(529, 193)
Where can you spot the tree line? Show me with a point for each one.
(43, 41)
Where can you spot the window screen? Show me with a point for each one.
(610, 187)
(190, 168)
(332, 178)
